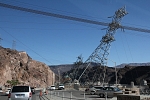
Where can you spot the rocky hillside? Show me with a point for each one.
(15, 65)
(134, 73)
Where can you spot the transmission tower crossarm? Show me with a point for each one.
(69, 17)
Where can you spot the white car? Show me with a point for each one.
(52, 87)
(61, 87)
(20, 93)
(7, 91)
(1, 91)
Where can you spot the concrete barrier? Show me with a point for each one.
(128, 97)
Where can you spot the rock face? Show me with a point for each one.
(16, 65)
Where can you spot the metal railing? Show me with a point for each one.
(53, 95)
(63, 96)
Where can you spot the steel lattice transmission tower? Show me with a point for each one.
(76, 67)
(101, 53)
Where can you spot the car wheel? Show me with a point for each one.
(101, 95)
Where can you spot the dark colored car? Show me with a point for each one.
(93, 89)
(109, 91)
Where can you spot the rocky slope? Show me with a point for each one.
(16, 65)
(135, 74)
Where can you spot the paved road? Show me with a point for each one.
(34, 97)
(58, 94)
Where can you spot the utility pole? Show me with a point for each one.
(14, 45)
(0, 41)
(59, 75)
(115, 70)
(116, 74)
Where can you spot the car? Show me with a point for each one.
(61, 87)
(7, 91)
(33, 90)
(1, 90)
(109, 91)
(92, 90)
(95, 88)
(20, 93)
(52, 87)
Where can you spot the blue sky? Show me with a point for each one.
(57, 41)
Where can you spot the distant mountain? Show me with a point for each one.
(61, 68)
(66, 67)
(139, 64)
(133, 64)
(126, 73)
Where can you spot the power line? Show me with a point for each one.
(52, 14)
(69, 17)
(24, 45)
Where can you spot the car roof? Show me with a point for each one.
(21, 85)
(98, 86)
(20, 89)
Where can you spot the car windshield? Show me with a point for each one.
(52, 86)
(100, 88)
(20, 89)
(116, 89)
